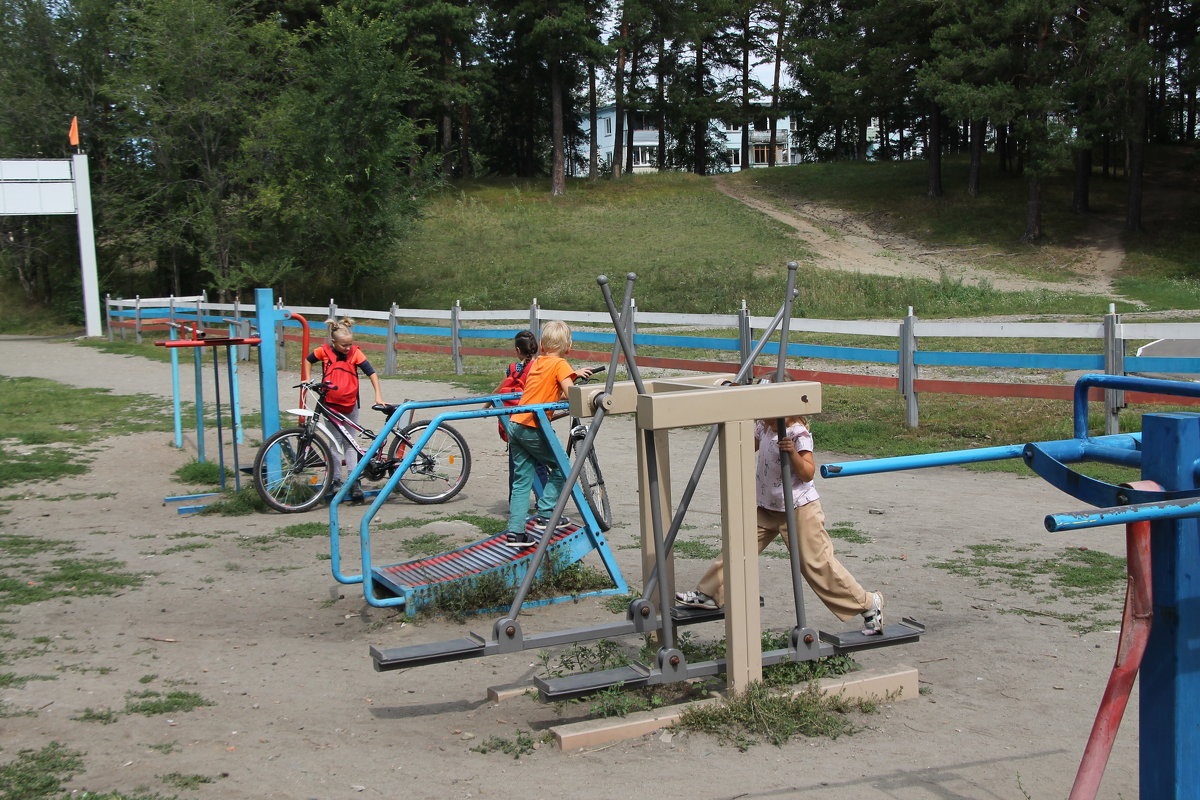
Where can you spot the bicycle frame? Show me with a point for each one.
(338, 441)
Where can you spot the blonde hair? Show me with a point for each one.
(340, 328)
(556, 337)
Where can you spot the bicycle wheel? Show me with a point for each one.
(591, 480)
(439, 471)
(302, 462)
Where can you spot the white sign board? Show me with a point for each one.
(58, 186)
(37, 187)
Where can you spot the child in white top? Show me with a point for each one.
(830, 581)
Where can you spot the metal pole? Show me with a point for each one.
(390, 363)
(908, 368)
(455, 341)
(1114, 364)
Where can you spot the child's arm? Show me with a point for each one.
(803, 465)
(378, 391)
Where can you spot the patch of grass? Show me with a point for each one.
(579, 657)
(695, 548)
(39, 774)
(49, 422)
(181, 781)
(11, 680)
(150, 702)
(427, 544)
(105, 716)
(847, 532)
(1092, 580)
(166, 748)
(237, 503)
(492, 590)
(759, 713)
(522, 744)
(201, 473)
(22, 581)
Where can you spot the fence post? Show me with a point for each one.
(1114, 364)
(199, 316)
(277, 325)
(333, 312)
(534, 319)
(137, 319)
(455, 343)
(108, 314)
(744, 338)
(389, 365)
(908, 368)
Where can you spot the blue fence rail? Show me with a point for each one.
(465, 330)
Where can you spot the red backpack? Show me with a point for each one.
(343, 374)
(514, 381)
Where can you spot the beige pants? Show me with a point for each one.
(830, 581)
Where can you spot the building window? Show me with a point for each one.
(733, 126)
(643, 155)
(791, 123)
(762, 124)
(608, 126)
(735, 157)
(760, 153)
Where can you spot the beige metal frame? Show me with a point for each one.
(700, 401)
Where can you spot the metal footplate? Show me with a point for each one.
(635, 676)
(432, 653)
(688, 615)
(908, 630)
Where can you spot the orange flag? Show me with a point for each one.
(73, 136)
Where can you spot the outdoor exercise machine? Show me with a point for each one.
(196, 341)
(728, 408)
(1163, 561)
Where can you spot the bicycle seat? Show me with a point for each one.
(385, 408)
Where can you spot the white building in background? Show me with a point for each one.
(645, 140)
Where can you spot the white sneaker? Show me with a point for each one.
(696, 599)
(873, 616)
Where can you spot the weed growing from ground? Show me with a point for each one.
(759, 713)
(200, 473)
(37, 774)
(522, 744)
(150, 702)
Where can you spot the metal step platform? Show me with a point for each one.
(418, 582)
(907, 630)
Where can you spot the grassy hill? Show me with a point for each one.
(499, 243)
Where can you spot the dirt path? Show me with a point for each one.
(248, 617)
(845, 241)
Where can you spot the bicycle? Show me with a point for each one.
(292, 467)
(591, 479)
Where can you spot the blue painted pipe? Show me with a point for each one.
(1128, 382)
(1121, 515)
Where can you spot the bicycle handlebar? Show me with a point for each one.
(595, 371)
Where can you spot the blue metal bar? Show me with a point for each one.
(1128, 382)
(872, 466)
(1122, 515)
(176, 406)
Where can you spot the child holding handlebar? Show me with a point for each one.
(547, 382)
(340, 360)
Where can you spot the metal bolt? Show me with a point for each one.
(511, 630)
(808, 638)
(674, 661)
(644, 611)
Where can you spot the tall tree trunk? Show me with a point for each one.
(660, 116)
(1080, 203)
(630, 95)
(1137, 137)
(700, 125)
(934, 156)
(1033, 209)
(978, 133)
(619, 109)
(558, 175)
(746, 117)
(593, 126)
(781, 21)
(1002, 147)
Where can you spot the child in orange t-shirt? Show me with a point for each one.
(547, 382)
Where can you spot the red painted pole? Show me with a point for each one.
(1135, 631)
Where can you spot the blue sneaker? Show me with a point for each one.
(519, 540)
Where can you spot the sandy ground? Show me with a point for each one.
(298, 712)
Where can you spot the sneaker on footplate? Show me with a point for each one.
(541, 523)
(519, 540)
(696, 599)
(873, 616)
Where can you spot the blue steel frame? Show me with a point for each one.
(1168, 451)
(574, 547)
